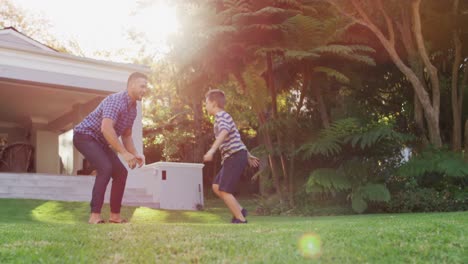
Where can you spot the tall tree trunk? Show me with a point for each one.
(305, 85)
(272, 89)
(266, 140)
(466, 141)
(200, 144)
(404, 26)
(457, 95)
(271, 84)
(463, 87)
(322, 107)
(433, 117)
(271, 159)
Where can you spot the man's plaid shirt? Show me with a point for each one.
(117, 107)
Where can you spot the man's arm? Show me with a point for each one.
(127, 140)
(107, 129)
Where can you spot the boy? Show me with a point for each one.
(233, 152)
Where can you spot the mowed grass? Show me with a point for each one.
(34, 231)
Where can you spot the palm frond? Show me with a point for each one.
(332, 73)
(373, 133)
(330, 140)
(327, 179)
(368, 192)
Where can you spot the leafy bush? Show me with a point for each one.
(361, 156)
(427, 200)
(433, 180)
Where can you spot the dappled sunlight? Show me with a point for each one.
(145, 214)
(60, 212)
(202, 217)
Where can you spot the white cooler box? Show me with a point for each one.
(179, 186)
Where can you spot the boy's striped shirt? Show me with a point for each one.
(233, 142)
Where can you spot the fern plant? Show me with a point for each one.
(440, 161)
(443, 164)
(356, 174)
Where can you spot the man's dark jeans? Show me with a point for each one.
(107, 165)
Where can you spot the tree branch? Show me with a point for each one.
(370, 24)
(347, 14)
(390, 29)
(423, 53)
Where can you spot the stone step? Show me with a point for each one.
(45, 177)
(79, 198)
(148, 204)
(85, 190)
(45, 196)
(64, 188)
(75, 197)
(43, 183)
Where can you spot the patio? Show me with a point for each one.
(43, 95)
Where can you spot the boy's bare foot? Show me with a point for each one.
(95, 218)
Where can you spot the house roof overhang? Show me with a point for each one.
(44, 85)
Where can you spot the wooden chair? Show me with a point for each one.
(16, 157)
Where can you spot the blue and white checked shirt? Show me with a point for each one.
(232, 143)
(117, 107)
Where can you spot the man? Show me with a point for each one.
(97, 138)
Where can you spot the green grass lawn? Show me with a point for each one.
(33, 231)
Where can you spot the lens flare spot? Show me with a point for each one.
(310, 245)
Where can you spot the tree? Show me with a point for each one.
(379, 19)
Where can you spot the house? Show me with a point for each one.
(43, 95)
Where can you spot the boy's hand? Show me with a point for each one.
(208, 156)
(253, 161)
(140, 159)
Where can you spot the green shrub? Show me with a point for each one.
(427, 200)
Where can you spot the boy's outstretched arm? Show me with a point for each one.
(209, 154)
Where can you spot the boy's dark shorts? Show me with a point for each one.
(230, 172)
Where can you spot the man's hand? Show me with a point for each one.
(253, 161)
(140, 159)
(208, 156)
(130, 159)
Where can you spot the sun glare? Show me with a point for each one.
(157, 22)
(104, 25)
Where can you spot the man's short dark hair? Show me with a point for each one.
(217, 96)
(135, 76)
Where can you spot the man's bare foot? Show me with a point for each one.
(95, 218)
(115, 218)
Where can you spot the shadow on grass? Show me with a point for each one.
(60, 212)
(15, 210)
(26, 210)
(213, 214)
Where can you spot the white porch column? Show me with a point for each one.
(135, 177)
(137, 130)
(47, 157)
(77, 156)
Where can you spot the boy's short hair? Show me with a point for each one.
(135, 76)
(217, 96)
